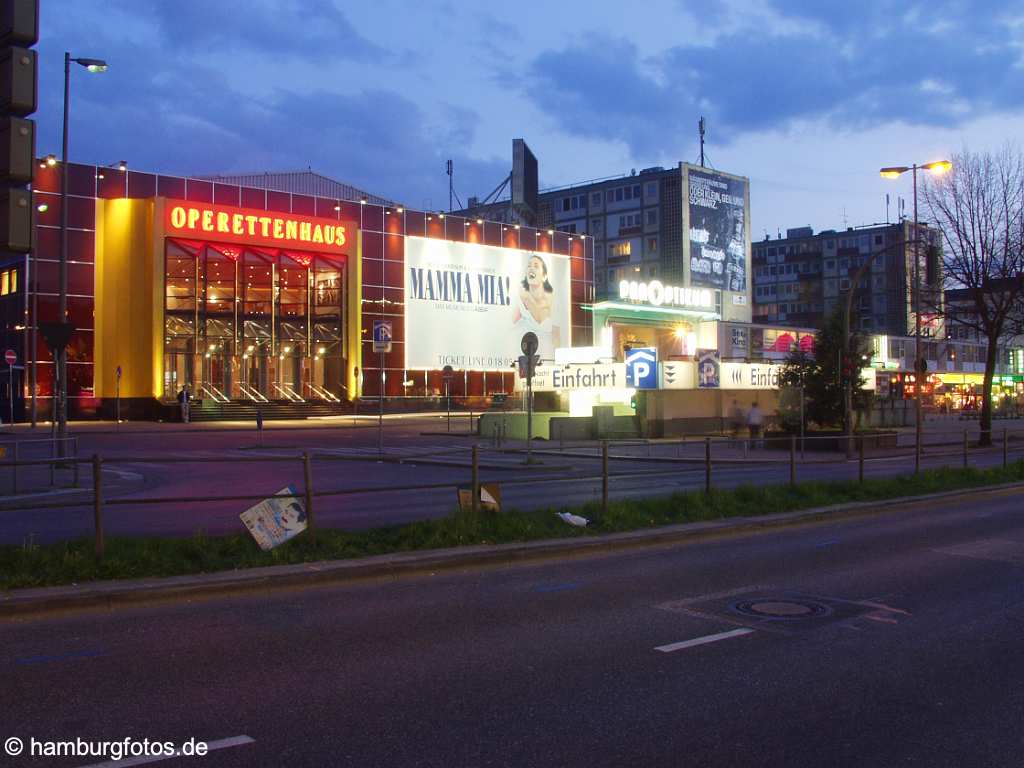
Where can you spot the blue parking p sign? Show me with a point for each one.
(382, 336)
(642, 368)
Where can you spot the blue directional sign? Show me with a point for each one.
(382, 336)
(642, 368)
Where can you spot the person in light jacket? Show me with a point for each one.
(755, 421)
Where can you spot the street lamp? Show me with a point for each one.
(846, 352)
(92, 65)
(894, 172)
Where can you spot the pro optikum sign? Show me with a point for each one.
(658, 294)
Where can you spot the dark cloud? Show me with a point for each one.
(859, 64)
(186, 120)
(273, 28)
(595, 88)
(165, 107)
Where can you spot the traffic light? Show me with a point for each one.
(847, 368)
(19, 28)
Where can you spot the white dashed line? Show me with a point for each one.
(703, 640)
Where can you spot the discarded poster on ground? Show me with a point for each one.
(275, 520)
(490, 497)
(571, 519)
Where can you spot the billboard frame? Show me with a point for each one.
(733, 308)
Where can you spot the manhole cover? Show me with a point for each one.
(781, 609)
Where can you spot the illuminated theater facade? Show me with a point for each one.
(255, 295)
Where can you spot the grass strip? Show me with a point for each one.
(34, 565)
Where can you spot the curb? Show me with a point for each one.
(23, 603)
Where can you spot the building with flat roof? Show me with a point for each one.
(686, 226)
(802, 278)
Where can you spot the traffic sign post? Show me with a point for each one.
(529, 344)
(11, 357)
(117, 400)
(382, 345)
(448, 373)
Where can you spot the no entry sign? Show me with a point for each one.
(10, 357)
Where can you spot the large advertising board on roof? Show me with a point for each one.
(716, 215)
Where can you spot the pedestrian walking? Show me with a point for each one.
(735, 418)
(755, 421)
(184, 399)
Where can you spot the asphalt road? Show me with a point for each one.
(908, 654)
(214, 462)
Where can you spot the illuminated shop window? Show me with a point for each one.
(8, 281)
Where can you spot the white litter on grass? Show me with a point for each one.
(571, 519)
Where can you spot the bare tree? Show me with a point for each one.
(979, 208)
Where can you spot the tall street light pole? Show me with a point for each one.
(847, 352)
(92, 65)
(894, 172)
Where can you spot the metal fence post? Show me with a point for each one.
(707, 465)
(14, 476)
(476, 479)
(792, 460)
(1006, 440)
(965, 448)
(75, 465)
(604, 475)
(97, 504)
(53, 463)
(860, 460)
(307, 471)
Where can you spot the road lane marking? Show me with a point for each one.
(556, 587)
(703, 640)
(59, 657)
(234, 741)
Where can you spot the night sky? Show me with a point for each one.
(807, 98)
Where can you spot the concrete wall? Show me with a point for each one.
(673, 412)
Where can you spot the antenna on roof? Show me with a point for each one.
(450, 170)
(700, 127)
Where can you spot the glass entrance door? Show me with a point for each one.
(218, 373)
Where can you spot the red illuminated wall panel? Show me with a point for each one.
(198, 191)
(227, 194)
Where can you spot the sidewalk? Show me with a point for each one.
(361, 420)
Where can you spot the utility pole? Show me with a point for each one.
(919, 364)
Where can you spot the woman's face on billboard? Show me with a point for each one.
(535, 272)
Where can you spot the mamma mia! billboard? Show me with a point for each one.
(468, 305)
(716, 216)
